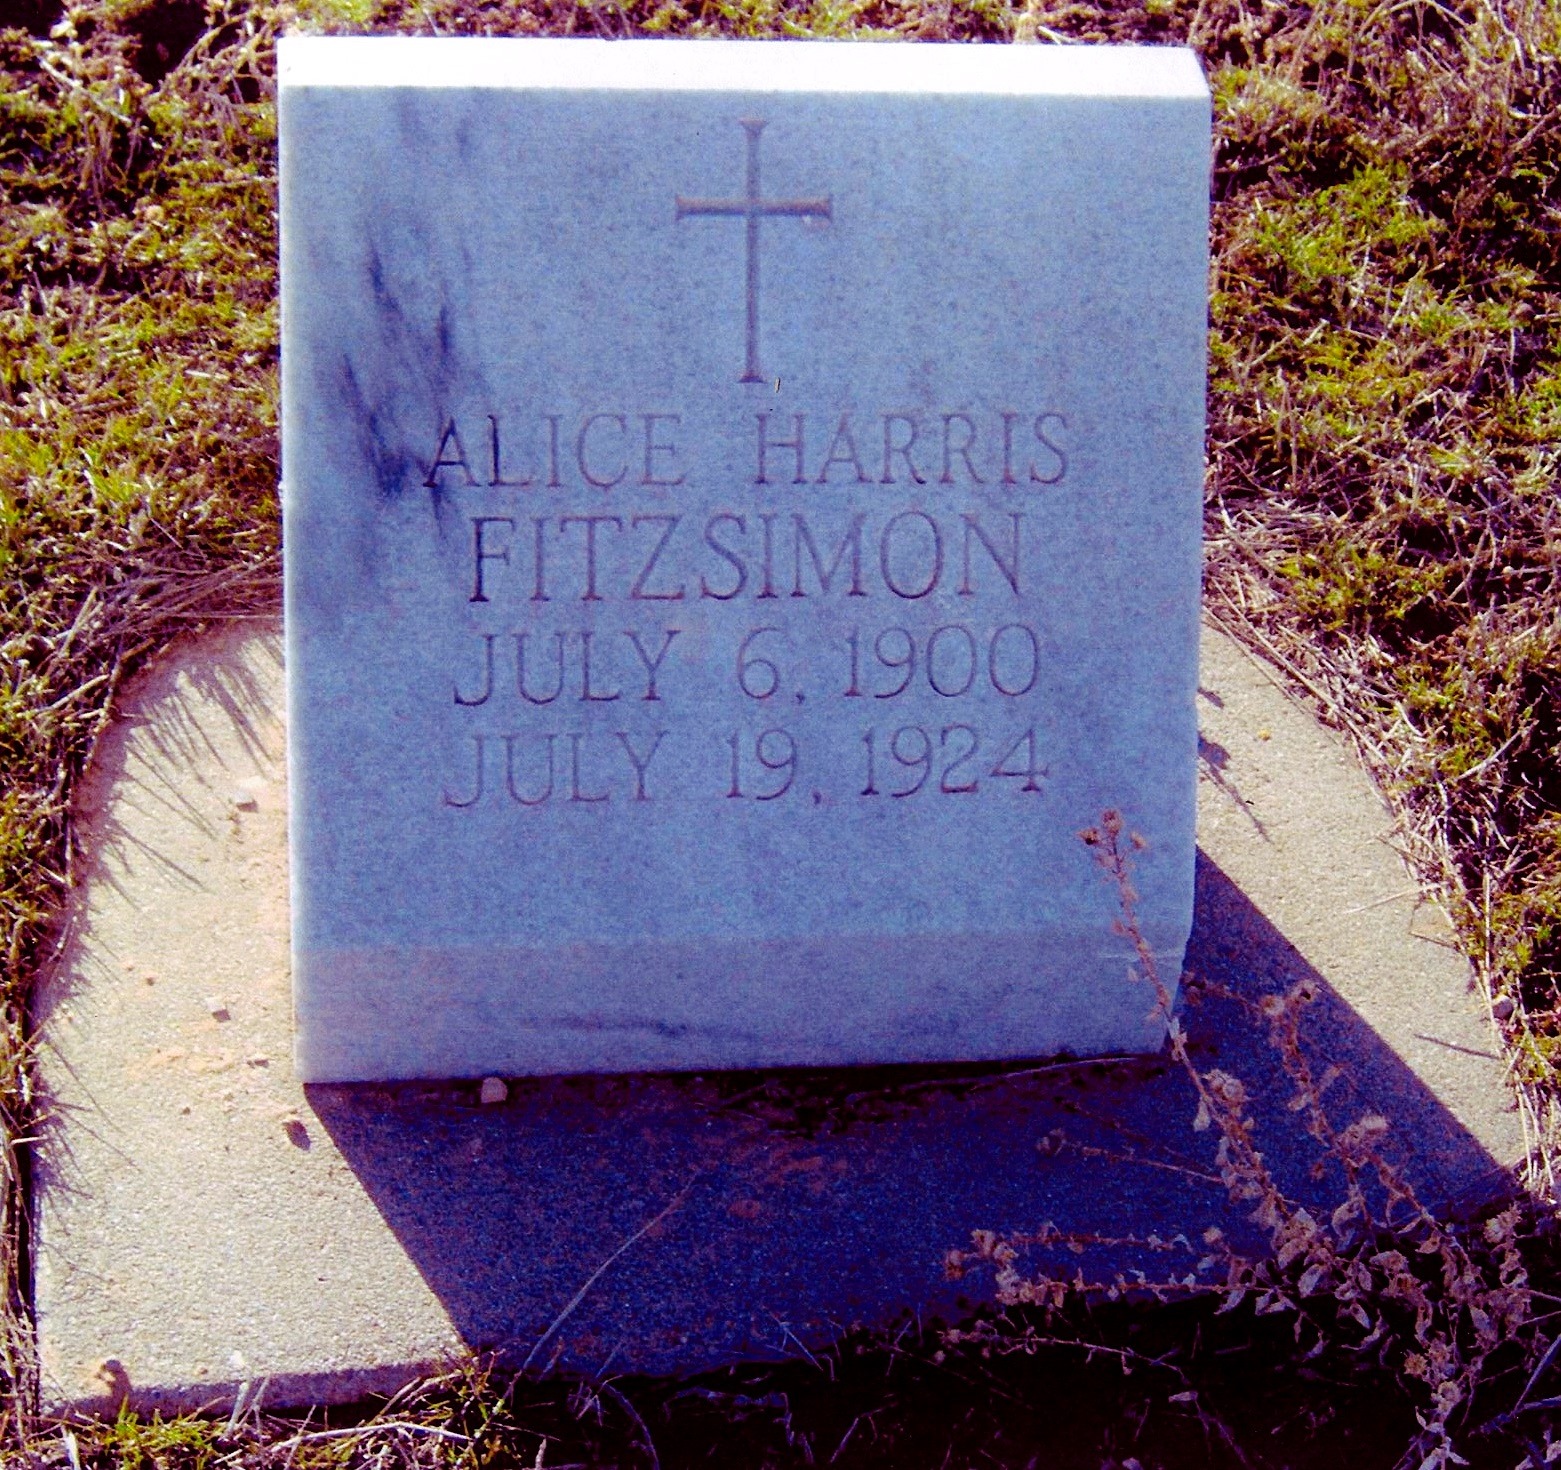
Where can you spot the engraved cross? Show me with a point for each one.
(752, 208)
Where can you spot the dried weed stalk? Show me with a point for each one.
(1379, 1275)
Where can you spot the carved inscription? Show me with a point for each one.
(751, 208)
(861, 608)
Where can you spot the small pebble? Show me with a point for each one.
(1265, 734)
(258, 1059)
(218, 1007)
(245, 801)
(493, 1091)
(1502, 1008)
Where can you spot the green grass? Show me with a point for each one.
(1384, 437)
(1384, 430)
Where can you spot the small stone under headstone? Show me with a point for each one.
(743, 507)
(493, 1091)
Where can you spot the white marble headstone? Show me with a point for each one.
(742, 521)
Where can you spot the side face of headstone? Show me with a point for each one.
(742, 522)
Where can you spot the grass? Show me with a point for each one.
(1385, 437)
(911, 1404)
(1382, 522)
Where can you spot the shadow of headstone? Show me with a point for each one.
(793, 1204)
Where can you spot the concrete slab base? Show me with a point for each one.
(203, 1221)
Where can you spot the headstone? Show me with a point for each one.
(742, 521)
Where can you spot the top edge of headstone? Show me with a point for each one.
(575, 64)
